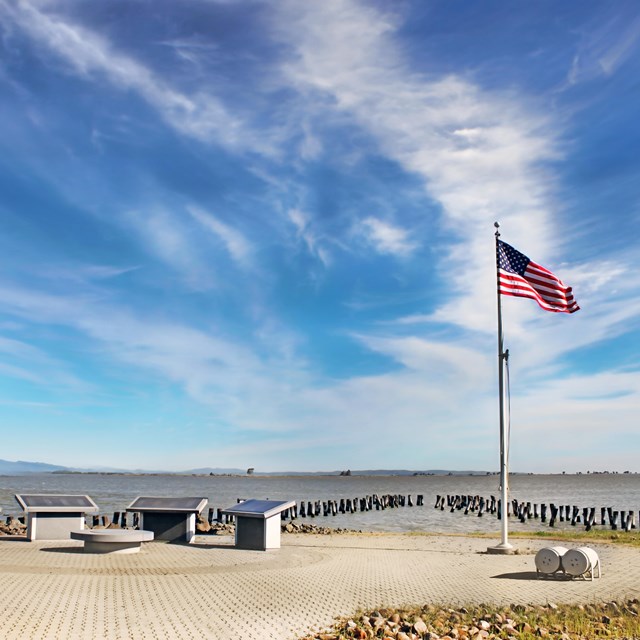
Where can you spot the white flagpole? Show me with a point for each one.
(504, 546)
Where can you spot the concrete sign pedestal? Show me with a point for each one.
(258, 523)
(171, 519)
(55, 516)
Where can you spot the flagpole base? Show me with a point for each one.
(504, 548)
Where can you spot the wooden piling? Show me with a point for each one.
(574, 516)
(554, 512)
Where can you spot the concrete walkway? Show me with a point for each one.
(211, 590)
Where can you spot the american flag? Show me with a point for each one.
(518, 276)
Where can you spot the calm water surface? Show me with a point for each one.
(115, 492)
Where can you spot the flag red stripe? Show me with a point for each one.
(551, 295)
(548, 307)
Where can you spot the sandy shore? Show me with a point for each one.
(211, 590)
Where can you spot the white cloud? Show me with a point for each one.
(439, 397)
(604, 48)
(201, 116)
(311, 146)
(482, 156)
(194, 243)
(303, 224)
(27, 362)
(580, 415)
(235, 243)
(438, 359)
(224, 375)
(165, 235)
(387, 238)
(480, 153)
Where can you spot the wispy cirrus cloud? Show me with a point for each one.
(214, 370)
(201, 116)
(481, 154)
(191, 241)
(604, 48)
(303, 224)
(25, 361)
(235, 243)
(483, 157)
(165, 235)
(386, 237)
(335, 86)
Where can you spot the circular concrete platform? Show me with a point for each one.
(123, 541)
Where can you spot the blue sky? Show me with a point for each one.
(251, 233)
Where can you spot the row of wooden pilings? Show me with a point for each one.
(306, 509)
(317, 508)
(623, 520)
(123, 519)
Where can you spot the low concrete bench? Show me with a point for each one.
(112, 540)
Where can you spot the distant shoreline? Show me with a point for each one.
(309, 474)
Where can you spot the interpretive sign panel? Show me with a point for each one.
(170, 518)
(175, 504)
(52, 516)
(258, 523)
(259, 508)
(57, 502)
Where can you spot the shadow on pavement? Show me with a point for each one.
(520, 575)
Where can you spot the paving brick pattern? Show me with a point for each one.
(211, 590)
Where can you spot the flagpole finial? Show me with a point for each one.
(497, 226)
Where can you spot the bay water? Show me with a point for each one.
(114, 492)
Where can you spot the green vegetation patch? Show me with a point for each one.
(631, 538)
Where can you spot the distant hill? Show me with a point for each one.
(19, 467)
(352, 472)
(217, 471)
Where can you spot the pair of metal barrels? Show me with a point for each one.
(573, 562)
